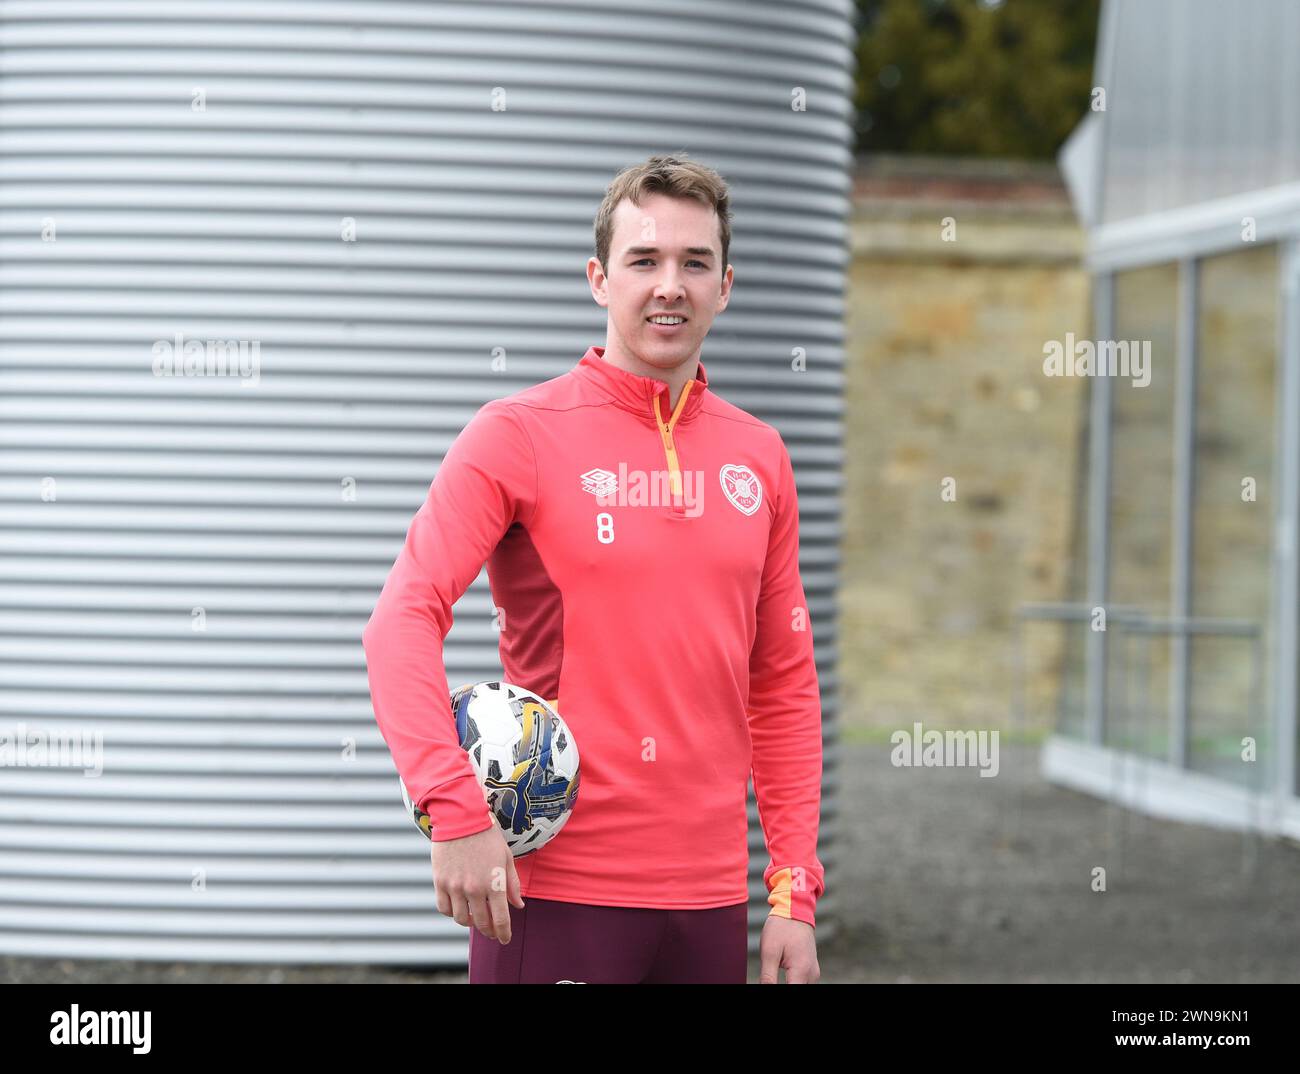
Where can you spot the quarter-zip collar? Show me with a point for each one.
(637, 393)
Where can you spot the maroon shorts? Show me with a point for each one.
(552, 941)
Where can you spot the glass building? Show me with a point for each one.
(1178, 696)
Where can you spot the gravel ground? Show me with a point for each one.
(959, 878)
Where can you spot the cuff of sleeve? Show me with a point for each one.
(788, 899)
(456, 809)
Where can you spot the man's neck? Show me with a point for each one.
(676, 378)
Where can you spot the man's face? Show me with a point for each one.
(664, 258)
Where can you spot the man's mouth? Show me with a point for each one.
(666, 322)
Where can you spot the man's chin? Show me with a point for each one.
(665, 358)
(673, 351)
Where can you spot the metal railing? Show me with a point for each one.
(1119, 707)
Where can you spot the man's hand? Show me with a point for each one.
(789, 945)
(473, 878)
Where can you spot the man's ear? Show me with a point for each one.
(597, 281)
(724, 296)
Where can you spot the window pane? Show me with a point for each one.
(1070, 636)
(1237, 336)
(1141, 506)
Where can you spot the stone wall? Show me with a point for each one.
(960, 273)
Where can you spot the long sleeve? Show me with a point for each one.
(785, 719)
(487, 481)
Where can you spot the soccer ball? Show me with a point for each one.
(525, 759)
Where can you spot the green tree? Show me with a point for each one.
(1005, 78)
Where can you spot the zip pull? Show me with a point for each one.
(670, 454)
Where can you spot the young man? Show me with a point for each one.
(641, 536)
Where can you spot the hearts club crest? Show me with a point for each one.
(741, 486)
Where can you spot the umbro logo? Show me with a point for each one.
(599, 482)
(682, 490)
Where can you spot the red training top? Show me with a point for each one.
(646, 571)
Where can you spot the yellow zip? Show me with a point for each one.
(666, 432)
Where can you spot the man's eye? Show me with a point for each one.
(691, 262)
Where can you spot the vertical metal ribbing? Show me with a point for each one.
(248, 750)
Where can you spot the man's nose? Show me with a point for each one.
(669, 285)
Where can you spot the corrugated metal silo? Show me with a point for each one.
(188, 561)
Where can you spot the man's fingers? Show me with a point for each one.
(803, 972)
(500, 911)
(482, 916)
(460, 910)
(512, 887)
(798, 974)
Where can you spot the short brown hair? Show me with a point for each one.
(675, 176)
